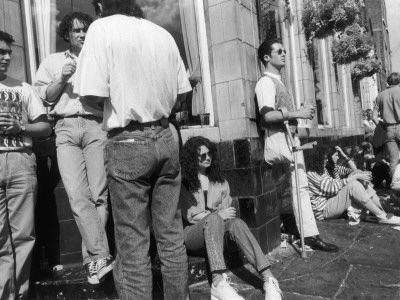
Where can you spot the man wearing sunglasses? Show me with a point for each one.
(272, 94)
(22, 116)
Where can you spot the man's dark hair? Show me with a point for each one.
(68, 21)
(8, 38)
(266, 48)
(118, 7)
(368, 110)
(393, 79)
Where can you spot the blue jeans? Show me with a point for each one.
(393, 142)
(18, 185)
(80, 143)
(144, 178)
(208, 234)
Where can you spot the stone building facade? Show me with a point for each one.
(222, 43)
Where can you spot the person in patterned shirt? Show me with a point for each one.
(22, 116)
(331, 196)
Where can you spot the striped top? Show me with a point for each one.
(321, 188)
(339, 172)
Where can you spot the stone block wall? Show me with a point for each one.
(58, 237)
(256, 188)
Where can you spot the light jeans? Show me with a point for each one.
(209, 234)
(18, 186)
(309, 224)
(353, 194)
(144, 178)
(392, 143)
(80, 143)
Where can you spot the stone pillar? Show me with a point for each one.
(233, 39)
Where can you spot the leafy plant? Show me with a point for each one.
(352, 45)
(365, 68)
(322, 18)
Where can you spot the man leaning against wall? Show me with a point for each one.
(80, 142)
(22, 116)
(271, 95)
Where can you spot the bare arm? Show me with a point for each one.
(55, 88)
(305, 112)
(39, 127)
(375, 114)
(180, 100)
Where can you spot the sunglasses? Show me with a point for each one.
(280, 51)
(5, 51)
(203, 156)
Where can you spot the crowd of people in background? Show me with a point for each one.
(115, 140)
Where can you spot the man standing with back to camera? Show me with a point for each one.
(134, 67)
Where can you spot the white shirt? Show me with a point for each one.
(265, 90)
(68, 103)
(134, 62)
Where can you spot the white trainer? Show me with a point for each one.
(224, 290)
(272, 290)
(390, 219)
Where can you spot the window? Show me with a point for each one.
(269, 19)
(183, 19)
(319, 58)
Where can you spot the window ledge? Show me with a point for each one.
(209, 132)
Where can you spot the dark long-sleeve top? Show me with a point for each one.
(322, 188)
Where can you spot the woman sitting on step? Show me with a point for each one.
(209, 217)
(335, 189)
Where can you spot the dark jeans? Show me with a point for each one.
(144, 178)
(208, 234)
(392, 143)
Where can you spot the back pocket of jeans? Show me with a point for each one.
(130, 158)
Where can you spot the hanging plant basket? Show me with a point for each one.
(365, 68)
(322, 18)
(353, 44)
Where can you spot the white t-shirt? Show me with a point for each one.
(136, 64)
(22, 101)
(265, 91)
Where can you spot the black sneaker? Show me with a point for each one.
(104, 265)
(91, 272)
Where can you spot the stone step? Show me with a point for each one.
(71, 283)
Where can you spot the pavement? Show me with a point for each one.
(367, 266)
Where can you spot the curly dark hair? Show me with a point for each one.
(189, 161)
(68, 21)
(121, 7)
(6, 37)
(317, 163)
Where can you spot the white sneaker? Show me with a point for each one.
(272, 290)
(390, 220)
(224, 291)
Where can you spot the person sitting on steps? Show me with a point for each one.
(205, 202)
